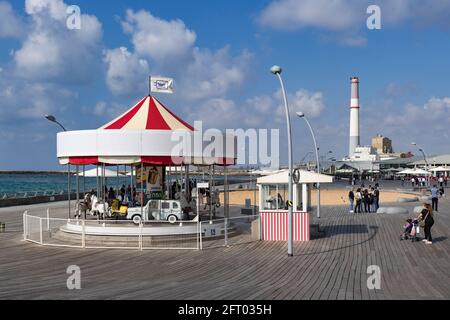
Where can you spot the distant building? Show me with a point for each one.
(382, 145)
(364, 154)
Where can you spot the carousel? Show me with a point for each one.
(155, 149)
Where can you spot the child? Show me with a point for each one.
(410, 230)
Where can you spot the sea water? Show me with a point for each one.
(12, 183)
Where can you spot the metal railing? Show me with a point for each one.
(124, 234)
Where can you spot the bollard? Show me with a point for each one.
(2, 227)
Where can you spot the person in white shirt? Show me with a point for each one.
(441, 181)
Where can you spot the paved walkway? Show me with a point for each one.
(333, 267)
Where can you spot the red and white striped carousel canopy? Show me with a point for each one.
(142, 134)
(148, 114)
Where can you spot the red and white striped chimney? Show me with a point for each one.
(354, 116)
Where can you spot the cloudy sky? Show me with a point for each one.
(219, 53)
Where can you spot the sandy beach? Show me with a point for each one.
(329, 197)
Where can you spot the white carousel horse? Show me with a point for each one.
(99, 208)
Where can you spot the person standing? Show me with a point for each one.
(366, 201)
(441, 181)
(358, 198)
(434, 197)
(376, 199)
(428, 221)
(351, 200)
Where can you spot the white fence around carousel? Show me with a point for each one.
(76, 233)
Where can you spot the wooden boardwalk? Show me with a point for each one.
(333, 267)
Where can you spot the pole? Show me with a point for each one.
(68, 185)
(141, 200)
(78, 190)
(225, 192)
(318, 165)
(288, 123)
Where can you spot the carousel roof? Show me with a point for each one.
(147, 114)
(142, 134)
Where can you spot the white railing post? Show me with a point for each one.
(83, 234)
(40, 231)
(48, 219)
(25, 222)
(140, 236)
(259, 226)
(200, 236)
(226, 232)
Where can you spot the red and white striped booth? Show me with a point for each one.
(274, 226)
(273, 191)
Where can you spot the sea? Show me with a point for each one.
(53, 183)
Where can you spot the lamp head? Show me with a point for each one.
(300, 114)
(50, 118)
(413, 144)
(276, 69)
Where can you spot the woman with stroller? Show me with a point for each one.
(427, 221)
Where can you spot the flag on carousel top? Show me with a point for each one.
(161, 85)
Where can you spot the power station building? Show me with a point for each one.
(382, 145)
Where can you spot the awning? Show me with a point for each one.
(305, 177)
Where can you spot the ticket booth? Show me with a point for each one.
(273, 210)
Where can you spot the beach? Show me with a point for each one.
(328, 197)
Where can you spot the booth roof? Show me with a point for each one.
(305, 177)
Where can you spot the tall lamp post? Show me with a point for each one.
(424, 158)
(53, 119)
(302, 116)
(276, 70)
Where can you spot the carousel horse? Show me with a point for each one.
(99, 208)
(83, 206)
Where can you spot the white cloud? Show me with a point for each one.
(126, 73)
(439, 108)
(157, 38)
(257, 112)
(212, 74)
(24, 100)
(342, 16)
(168, 48)
(51, 51)
(10, 24)
(219, 113)
(297, 14)
(310, 103)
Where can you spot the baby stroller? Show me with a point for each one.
(410, 230)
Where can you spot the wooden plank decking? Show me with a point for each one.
(333, 267)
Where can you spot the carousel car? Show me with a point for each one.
(162, 210)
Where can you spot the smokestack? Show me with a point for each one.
(354, 116)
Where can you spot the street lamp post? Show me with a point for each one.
(424, 158)
(53, 119)
(302, 116)
(276, 70)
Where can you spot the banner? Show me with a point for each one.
(161, 85)
(152, 178)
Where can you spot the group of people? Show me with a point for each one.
(125, 194)
(364, 200)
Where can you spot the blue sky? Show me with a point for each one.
(86, 77)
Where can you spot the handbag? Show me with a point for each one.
(422, 222)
